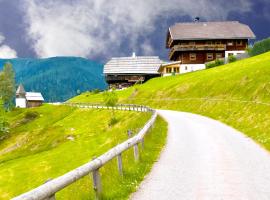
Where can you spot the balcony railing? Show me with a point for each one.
(201, 47)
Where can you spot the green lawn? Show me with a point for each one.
(62, 138)
(228, 93)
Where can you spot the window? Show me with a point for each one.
(210, 56)
(230, 43)
(168, 70)
(192, 43)
(192, 56)
(218, 42)
(186, 68)
(239, 43)
(218, 55)
(176, 69)
(208, 42)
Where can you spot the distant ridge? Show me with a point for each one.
(58, 78)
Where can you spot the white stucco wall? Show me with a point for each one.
(20, 103)
(185, 68)
(235, 53)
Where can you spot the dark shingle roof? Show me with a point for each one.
(211, 30)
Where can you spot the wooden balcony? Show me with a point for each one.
(204, 47)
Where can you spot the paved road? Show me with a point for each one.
(207, 160)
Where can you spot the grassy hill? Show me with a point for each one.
(58, 78)
(49, 141)
(237, 94)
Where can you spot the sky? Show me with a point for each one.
(101, 29)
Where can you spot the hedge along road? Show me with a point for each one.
(205, 159)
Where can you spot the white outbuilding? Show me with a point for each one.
(28, 99)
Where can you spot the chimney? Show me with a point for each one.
(133, 55)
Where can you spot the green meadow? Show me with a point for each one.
(49, 141)
(237, 94)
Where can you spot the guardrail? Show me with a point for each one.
(48, 190)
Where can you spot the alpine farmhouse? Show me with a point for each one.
(191, 45)
(194, 44)
(122, 72)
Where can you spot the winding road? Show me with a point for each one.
(207, 160)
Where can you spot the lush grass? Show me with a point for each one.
(220, 93)
(62, 138)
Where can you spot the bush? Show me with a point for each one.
(30, 115)
(96, 91)
(215, 63)
(4, 126)
(113, 121)
(260, 47)
(232, 59)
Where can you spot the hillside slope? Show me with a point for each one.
(49, 141)
(58, 78)
(237, 94)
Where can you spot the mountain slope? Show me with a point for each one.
(58, 78)
(237, 94)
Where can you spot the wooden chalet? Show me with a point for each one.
(194, 44)
(123, 72)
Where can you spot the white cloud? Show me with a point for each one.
(91, 28)
(6, 51)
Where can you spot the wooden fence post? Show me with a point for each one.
(142, 142)
(120, 164)
(97, 184)
(136, 152)
(129, 133)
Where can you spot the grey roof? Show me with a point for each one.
(211, 30)
(20, 90)
(34, 96)
(133, 65)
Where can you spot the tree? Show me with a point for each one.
(7, 85)
(110, 99)
(4, 125)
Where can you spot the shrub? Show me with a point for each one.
(113, 121)
(96, 91)
(215, 63)
(4, 126)
(232, 59)
(30, 115)
(260, 47)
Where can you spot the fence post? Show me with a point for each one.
(129, 133)
(97, 184)
(136, 152)
(142, 142)
(120, 164)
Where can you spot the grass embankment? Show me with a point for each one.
(50, 141)
(228, 93)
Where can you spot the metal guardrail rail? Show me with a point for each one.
(48, 190)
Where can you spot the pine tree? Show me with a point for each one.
(7, 85)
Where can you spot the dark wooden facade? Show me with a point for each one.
(202, 51)
(33, 104)
(126, 80)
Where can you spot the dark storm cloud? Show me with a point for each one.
(102, 28)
